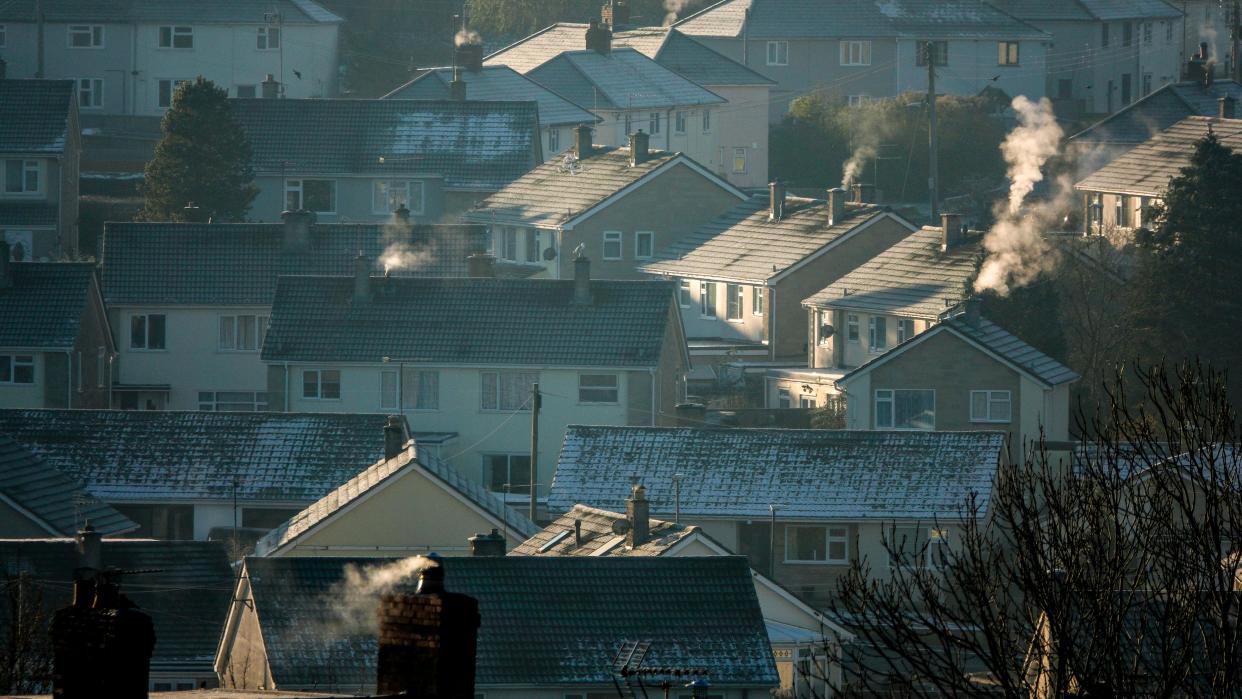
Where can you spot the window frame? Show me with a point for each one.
(173, 84)
(613, 238)
(4, 35)
(653, 123)
(410, 389)
(853, 328)
(905, 329)
(847, 58)
(25, 168)
(707, 120)
(261, 325)
(991, 397)
(778, 53)
(95, 91)
(735, 303)
(684, 298)
(639, 236)
(615, 388)
(300, 188)
(260, 400)
(829, 538)
(891, 400)
(941, 57)
(146, 332)
(708, 301)
(756, 300)
(263, 38)
(784, 398)
(320, 383)
(877, 328)
(679, 121)
(1009, 54)
(498, 394)
(740, 156)
(175, 32)
(488, 465)
(13, 362)
(381, 190)
(554, 140)
(94, 33)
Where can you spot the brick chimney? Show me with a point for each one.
(297, 229)
(6, 267)
(640, 151)
(598, 39)
(362, 278)
(776, 200)
(951, 231)
(615, 14)
(270, 87)
(864, 193)
(492, 544)
(457, 87)
(469, 56)
(394, 437)
(1227, 107)
(836, 205)
(582, 141)
(481, 265)
(638, 514)
(582, 279)
(972, 314)
(427, 640)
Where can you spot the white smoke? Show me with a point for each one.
(354, 600)
(467, 36)
(672, 8)
(398, 253)
(853, 167)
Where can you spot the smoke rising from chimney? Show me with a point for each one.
(467, 37)
(852, 168)
(398, 253)
(353, 601)
(672, 8)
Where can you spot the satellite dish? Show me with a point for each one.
(549, 254)
(620, 526)
(826, 330)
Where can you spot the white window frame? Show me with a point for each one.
(25, 169)
(146, 332)
(263, 40)
(1008, 54)
(653, 123)
(234, 322)
(93, 32)
(734, 294)
(778, 53)
(877, 333)
(209, 401)
(175, 31)
(707, 300)
(298, 185)
(640, 236)
(679, 121)
(554, 140)
(320, 384)
(496, 394)
(784, 398)
(857, 100)
(173, 84)
(856, 53)
(740, 156)
(381, 199)
(612, 238)
(13, 361)
(603, 389)
(832, 534)
(888, 397)
(707, 120)
(90, 92)
(506, 243)
(852, 328)
(756, 300)
(683, 294)
(992, 400)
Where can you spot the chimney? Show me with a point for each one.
(776, 200)
(691, 414)
(402, 214)
(6, 267)
(598, 39)
(362, 278)
(394, 437)
(492, 544)
(582, 141)
(481, 265)
(469, 56)
(640, 151)
(457, 88)
(836, 205)
(615, 14)
(297, 229)
(90, 548)
(972, 314)
(951, 231)
(638, 513)
(270, 87)
(864, 193)
(1227, 107)
(577, 533)
(582, 279)
(427, 640)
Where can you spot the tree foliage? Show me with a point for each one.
(25, 649)
(203, 157)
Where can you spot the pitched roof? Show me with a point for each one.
(58, 502)
(620, 79)
(473, 145)
(126, 11)
(375, 478)
(598, 536)
(188, 456)
(1163, 108)
(34, 114)
(1146, 169)
(44, 307)
(585, 609)
(816, 474)
(490, 322)
(912, 279)
(238, 263)
(1088, 10)
(185, 587)
(744, 245)
(496, 83)
(18, 214)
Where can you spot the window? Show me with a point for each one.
(937, 548)
(1127, 33)
(851, 327)
(3, 35)
(1119, 210)
(739, 160)
(312, 195)
(1168, 31)
(90, 93)
(1104, 35)
(321, 384)
(506, 390)
(420, 389)
(707, 121)
(554, 140)
(877, 333)
(756, 300)
(733, 301)
(612, 245)
(22, 177)
(86, 36)
(857, 100)
(146, 331)
(778, 53)
(246, 91)
(991, 406)
(683, 293)
(508, 243)
(905, 329)
(679, 122)
(783, 399)
(177, 37)
(707, 299)
(855, 53)
(597, 388)
(644, 244)
(1146, 84)
(905, 409)
(243, 333)
(653, 123)
(816, 544)
(1147, 32)
(232, 401)
(269, 38)
(507, 472)
(101, 367)
(938, 50)
(1007, 53)
(389, 195)
(806, 402)
(532, 245)
(16, 368)
(167, 89)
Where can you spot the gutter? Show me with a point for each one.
(69, 379)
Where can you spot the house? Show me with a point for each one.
(55, 340)
(37, 500)
(183, 586)
(964, 373)
(742, 277)
(355, 160)
(885, 301)
(190, 340)
(180, 475)
(805, 643)
(622, 205)
(40, 147)
(127, 57)
(1118, 196)
(1104, 55)
(585, 610)
(463, 355)
(802, 505)
(856, 51)
(409, 502)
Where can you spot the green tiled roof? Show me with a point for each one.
(43, 309)
(34, 114)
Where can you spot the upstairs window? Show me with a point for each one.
(147, 331)
(533, 245)
(508, 473)
(506, 390)
(312, 195)
(877, 333)
(733, 301)
(756, 301)
(176, 37)
(247, 91)
(321, 384)
(938, 50)
(4, 35)
(16, 368)
(597, 388)
(851, 327)
(232, 401)
(905, 409)
(991, 406)
(90, 93)
(683, 293)
(707, 120)
(508, 243)
(86, 36)
(554, 140)
(707, 299)
(269, 38)
(389, 195)
(242, 333)
(653, 123)
(778, 53)
(1104, 35)
(739, 160)
(679, 122)
(855, 53)
(612, 245)
(22, 177)
(644, 244)
(1007, 53)
(905, 329)
(1147, 32)
(813, 544)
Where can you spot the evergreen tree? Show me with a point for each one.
(203, 157)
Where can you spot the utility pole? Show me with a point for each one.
(933, 174)
(772, 508)
(535, 401)
(1235, 36)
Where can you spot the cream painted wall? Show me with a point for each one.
(743, 123)
(751, 327)
(857, 352)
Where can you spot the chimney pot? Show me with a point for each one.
(457, 87)
(836, 205)
(598, 39)
(492, 545)
(951, 231)
(481, 265)
(362, 279)
(270, 87)
(582, 279)
(469, 56)
(864, 193)
(640, 151)
(6, 267)
(638, 512)
(394, 437)
(578, 533)
(297, 229)
(776, 200)
(582, 141)
(1228, 107)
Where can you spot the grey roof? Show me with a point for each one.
(1002, 342)
(238, 263)
(172, 456)
(736, 473)
(57, 501)
(376, 477)
(473, 145)
(490, 322)
(37, 214)
(34, 114)
(1156, 112)
(44, 307)
(598, 536)
(744, 245)
(912, 279)
(915, 19)
(185, 586)
(622, 79)
(1087, 10)
(200, 11)
(1146, 169)
(496, 83)
(545, 622)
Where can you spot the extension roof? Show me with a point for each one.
(1137, 122)
(737, 473)
(912, 279)
(489, 322)
(44, 307)
(599, 538)
(28, 214)
(1087, 10)
(1145, 170)
(621, 79)
(473, 145)
(143, 11)
(584, 609)
(496, 83)
(55, 501)
(34, 114)
(170, 456)
(222, 264)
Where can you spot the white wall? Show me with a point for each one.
(25, 395)
(742, 123)
(972, 65)
(750, 328)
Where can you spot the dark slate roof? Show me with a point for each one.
(1146, 169)
(694, 61)
(696, 612)
(1087, 10)
(912, 279)
(473, 145)
(598, 536)
(34, 114)
(815, 474)
(237, 264)
(199, 12)
(18, 214)
(496, 83)
(187, 593)
(1009, 346)
(191, 456)
(621, 79)
(59, 502)
(44, 307)
(491, 322)
(1158, 111)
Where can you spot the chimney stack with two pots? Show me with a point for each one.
(598, 39)
(640, 148)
